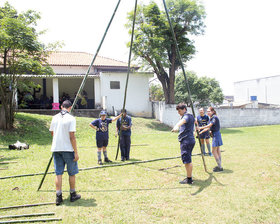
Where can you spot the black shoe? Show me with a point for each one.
(100, 162)
(74, 196)
(126, 158)
(59, 199)
(218, 169)
(186, 181)
(122, 159)
(106, 160)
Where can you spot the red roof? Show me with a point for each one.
(64, 58)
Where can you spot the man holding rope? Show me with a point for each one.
(186, 138)
(64, 148)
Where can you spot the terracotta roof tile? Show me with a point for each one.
(81, 59)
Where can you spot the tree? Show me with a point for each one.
(20, 53)
(204, 90)
(156, 92)
(154, 45)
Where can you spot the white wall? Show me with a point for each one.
(266, 89)
(137, 102)
(229, 118)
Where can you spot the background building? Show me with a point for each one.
(265, 90)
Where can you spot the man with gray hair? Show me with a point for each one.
(64, 148)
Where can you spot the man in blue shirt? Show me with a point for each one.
(186, 138)
(101, 125)
(124, 127)
(202, 120)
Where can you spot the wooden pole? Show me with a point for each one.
(28, 205)
(27, 215)
(85, 77)
(186, 80)
(127, 77)
(32, 220)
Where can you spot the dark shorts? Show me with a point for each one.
(102, 143)
(186, 146)
(204, 135)
(62, 158)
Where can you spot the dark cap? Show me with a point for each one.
(123, 111)
(103, 112)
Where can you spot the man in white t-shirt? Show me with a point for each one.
(64, 148)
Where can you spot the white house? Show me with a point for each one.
(264, 90)
(105, 85)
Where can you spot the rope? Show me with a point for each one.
(186, 80)
(98, 167)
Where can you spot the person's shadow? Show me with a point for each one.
(81, 202)
(206, 183)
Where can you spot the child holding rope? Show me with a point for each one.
(214, 127)
(101, 125)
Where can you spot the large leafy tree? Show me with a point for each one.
(154, 45)
(205, 91)
(156, 92)
(20, 53)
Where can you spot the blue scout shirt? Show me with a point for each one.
(202, 121)
(216, 123)
(186, 130)
(102, 125)
(126, 122)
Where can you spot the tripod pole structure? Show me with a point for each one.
(186, 80)
(84, 79)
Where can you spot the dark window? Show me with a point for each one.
(114, 85)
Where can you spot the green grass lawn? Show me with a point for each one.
(248, 191)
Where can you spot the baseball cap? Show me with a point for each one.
(103, 112)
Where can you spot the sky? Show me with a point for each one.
(241, 40)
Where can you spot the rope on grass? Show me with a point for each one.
(99, 167)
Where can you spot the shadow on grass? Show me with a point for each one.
(230, 131)
(203, 184)
(162, 170)
(81, 202)
(28, 129)
(158, 126)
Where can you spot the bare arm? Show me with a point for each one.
(208, 126)
(178, 125)
(117, 117)
(204, 130)
(74, 145)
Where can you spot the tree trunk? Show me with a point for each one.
(6, 115)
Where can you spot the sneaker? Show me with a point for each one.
(74, 196)
(107, 160)
(186, 181)
(59, 199)
(218, 169)
(122, 159)
(210, 154)
(100, 162)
